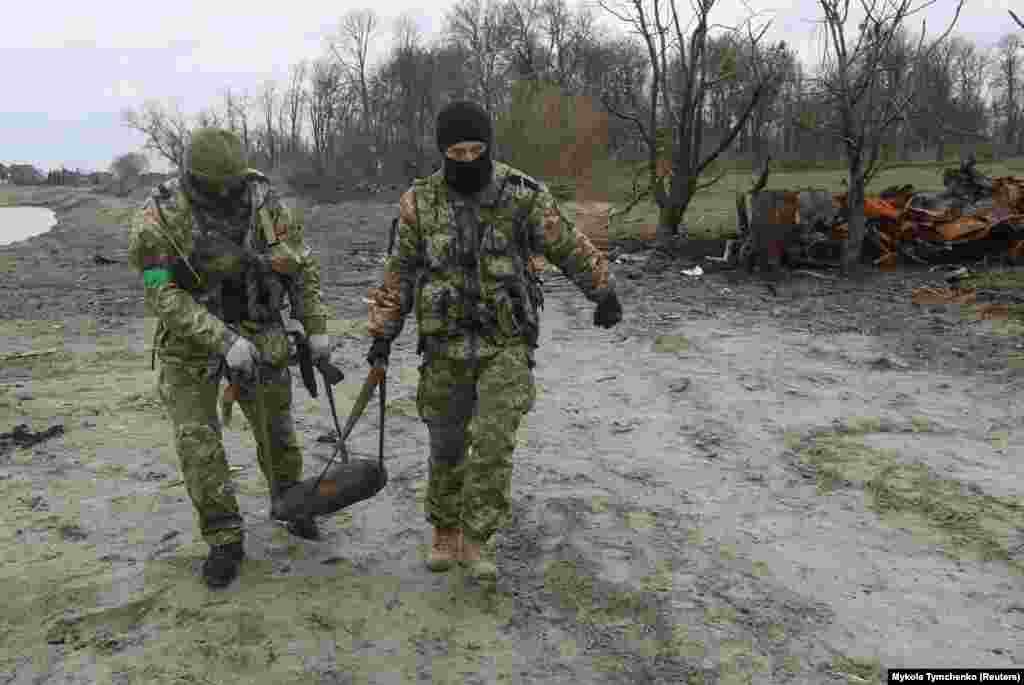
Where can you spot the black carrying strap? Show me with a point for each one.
(382, 390)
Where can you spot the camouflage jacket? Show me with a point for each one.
(467, 265)
(191, 320)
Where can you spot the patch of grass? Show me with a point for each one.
(115, 216)
(791, 664)
(937, 509)
(81, 628)
(920, 424)
(640, 520)
(1000, 440)
(720, 615)
(356, 328)
(863, 424)
(575, 592)
(609, 663)
(405, 406)
(993, 280)
(659, 581)
(857, 669)
(712, 213)
(670, 344)
(682, 645)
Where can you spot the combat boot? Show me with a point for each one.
(472, 558)
(444, 550)
(302, 526)
(221, 566)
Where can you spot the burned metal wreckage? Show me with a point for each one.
(975, 217)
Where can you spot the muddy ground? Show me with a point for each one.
(809, 484)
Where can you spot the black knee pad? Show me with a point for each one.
(447, 443)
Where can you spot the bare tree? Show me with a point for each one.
(970, 115)
(854, 85)
(351, 48)
(294, 101)
(209, 117)
(165, 128)
(268, 102)
(682, 75)
(478, 26)
(520, 21)
(1007, 82)
(325, 92)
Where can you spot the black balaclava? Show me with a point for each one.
(459, 122)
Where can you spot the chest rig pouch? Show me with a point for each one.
(478, 275)
(228, 271)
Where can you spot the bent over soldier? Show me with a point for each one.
(466, 241)
(218, 251)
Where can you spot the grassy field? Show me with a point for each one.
(712, 214)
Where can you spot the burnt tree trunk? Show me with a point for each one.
(856, 223)
(772, 222)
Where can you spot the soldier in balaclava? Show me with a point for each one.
(217, 248)
(467, 237)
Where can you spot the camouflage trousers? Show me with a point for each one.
(191, 400)
(472, 411)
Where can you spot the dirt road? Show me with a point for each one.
(733, 486)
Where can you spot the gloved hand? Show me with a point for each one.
(379, 351)
(242, 357)
(319, 348)
(608, 312)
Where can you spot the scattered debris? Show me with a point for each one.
(680, 385)
(887, 361)
(72, 533)
(21, 436)
(814, 274)
(929, 295)
(35, 503)
(631, 259)
(992, 311)
(619, 427)
(974, 217)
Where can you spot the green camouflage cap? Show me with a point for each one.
(215, 156)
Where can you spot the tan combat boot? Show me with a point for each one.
(444, 551)
(473, 560)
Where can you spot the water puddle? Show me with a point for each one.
(21, 223)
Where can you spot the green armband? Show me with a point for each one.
(154, 278)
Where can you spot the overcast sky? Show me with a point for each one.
(69, 68)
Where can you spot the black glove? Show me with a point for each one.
(608, 312)
(379, 351)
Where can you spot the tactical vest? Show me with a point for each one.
(220, 271)
(477, 274)
(216, 268)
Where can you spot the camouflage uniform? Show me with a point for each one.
(193, 325)
(467, 265)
